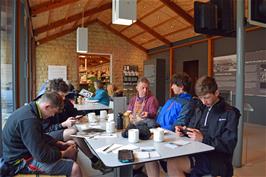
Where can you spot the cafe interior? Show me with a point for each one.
(120, 41)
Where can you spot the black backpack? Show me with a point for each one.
(144, 131)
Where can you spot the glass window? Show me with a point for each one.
(6, 43)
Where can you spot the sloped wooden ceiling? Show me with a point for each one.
(159, 22)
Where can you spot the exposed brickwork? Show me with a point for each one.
(62, 51)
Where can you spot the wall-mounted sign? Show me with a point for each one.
(57, 71)
(255, 72)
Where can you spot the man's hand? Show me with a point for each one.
(69, 122)
(195, 134)
(178, 130)
(144, 114)
(132, 118)
(70, 152)
(62, 145)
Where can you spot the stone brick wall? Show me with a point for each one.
(62, 51)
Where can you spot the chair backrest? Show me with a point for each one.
(119, 105)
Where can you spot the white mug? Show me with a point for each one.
(92, 117)
(110, 127)
(133, 135)
(103, 114)
(158, 135)
(111, 117)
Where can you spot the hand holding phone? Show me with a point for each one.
(79, 116)
(185, 131)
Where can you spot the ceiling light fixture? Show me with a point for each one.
(124, 12)
(82, 37)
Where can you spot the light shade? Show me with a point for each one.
(124, 12)
(82, 40)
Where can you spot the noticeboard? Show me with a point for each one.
(255, 72)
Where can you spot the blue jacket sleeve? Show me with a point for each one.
(185, 113)
(99, 95)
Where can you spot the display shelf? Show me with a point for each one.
(130, 79)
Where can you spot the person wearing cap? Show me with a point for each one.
(101, 95)
(28, 149)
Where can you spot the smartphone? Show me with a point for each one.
(125, 156)
(79, 116)
(185, 131)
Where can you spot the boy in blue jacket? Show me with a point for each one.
(177, 109)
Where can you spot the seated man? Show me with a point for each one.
(61, 128)
(29, 150)
(214, 124)
(178, 109)
(143, 106)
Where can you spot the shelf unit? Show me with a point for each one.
(130, 79)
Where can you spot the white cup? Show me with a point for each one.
(92, 117)
(158, 135)
(111, 117)
(133, 135)
(103, 114)
(110, 127)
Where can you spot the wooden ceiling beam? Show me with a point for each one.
(132, 37)
(136, 35)
(168, 34)
(177, 9)
(72, 18)
(84, 8)
(177, 31)
(152, 32)
(147, 14)
(61, 33)
(122, 36)
(148, 41)
(46, 6)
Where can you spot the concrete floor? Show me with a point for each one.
(253, 159)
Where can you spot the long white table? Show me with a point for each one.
(91, 107)
(123, 169)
